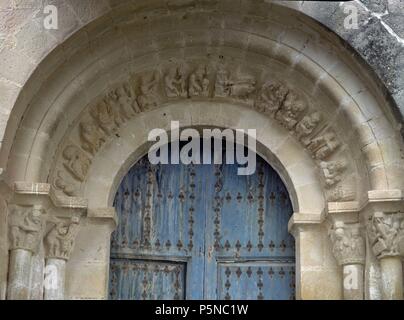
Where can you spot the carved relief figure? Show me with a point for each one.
(223, 83)
(332, 171)
(384, 233)
(105, 115)
(114, 110)
(123, 100)
(60, 239)
(243, 87)
(148, 95)
(199, 82)
(240, 88)
(306, 126)
(340, 241)
(401, 237)
(77, 162)
(91, 136)
(26, 226)
(323, 146)
(270, 98)
(348, 245)
(175, 83)
(291, 110)
(61, 183)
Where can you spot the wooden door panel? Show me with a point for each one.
(132, 279)
(261, 280)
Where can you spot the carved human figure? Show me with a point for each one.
(60, 239)
(340, 241)
(348, 245)
(332, 171)
(61, 182)
(114, 110)
(127, 100)
(26, 226)
(199, 82)
(291, 110)
(106, 115)
(223, 83)
(271, 97)
(148, 95)
(306, 126)
(175, 83)
(77, 162)
(358, 242)
(91, 136)
(122, 101)
(323, 146)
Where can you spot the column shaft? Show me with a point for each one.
(55, 270)
(19, 274)
(353, 281)
(392, 278)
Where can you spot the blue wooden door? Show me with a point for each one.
(202, 232)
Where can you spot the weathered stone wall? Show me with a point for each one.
(379, 40)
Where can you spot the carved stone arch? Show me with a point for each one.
(112, 81)
(274, 144)
(327, 78)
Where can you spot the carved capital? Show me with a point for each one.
(348, 244)
(60, 239)
(26, 225)
(386, 234)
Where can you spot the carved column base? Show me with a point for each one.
(353, 281)
(19, 275)
(55, 279)
(392, 278)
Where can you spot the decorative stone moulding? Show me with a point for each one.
(290, 108)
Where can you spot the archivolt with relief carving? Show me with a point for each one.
(214, 81)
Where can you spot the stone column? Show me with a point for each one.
(385, 233)
(59, 245)
(348, 247)
(26, 226)
(317, 276)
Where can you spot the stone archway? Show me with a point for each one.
(322, 121)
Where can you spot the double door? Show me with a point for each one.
(202, 232)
